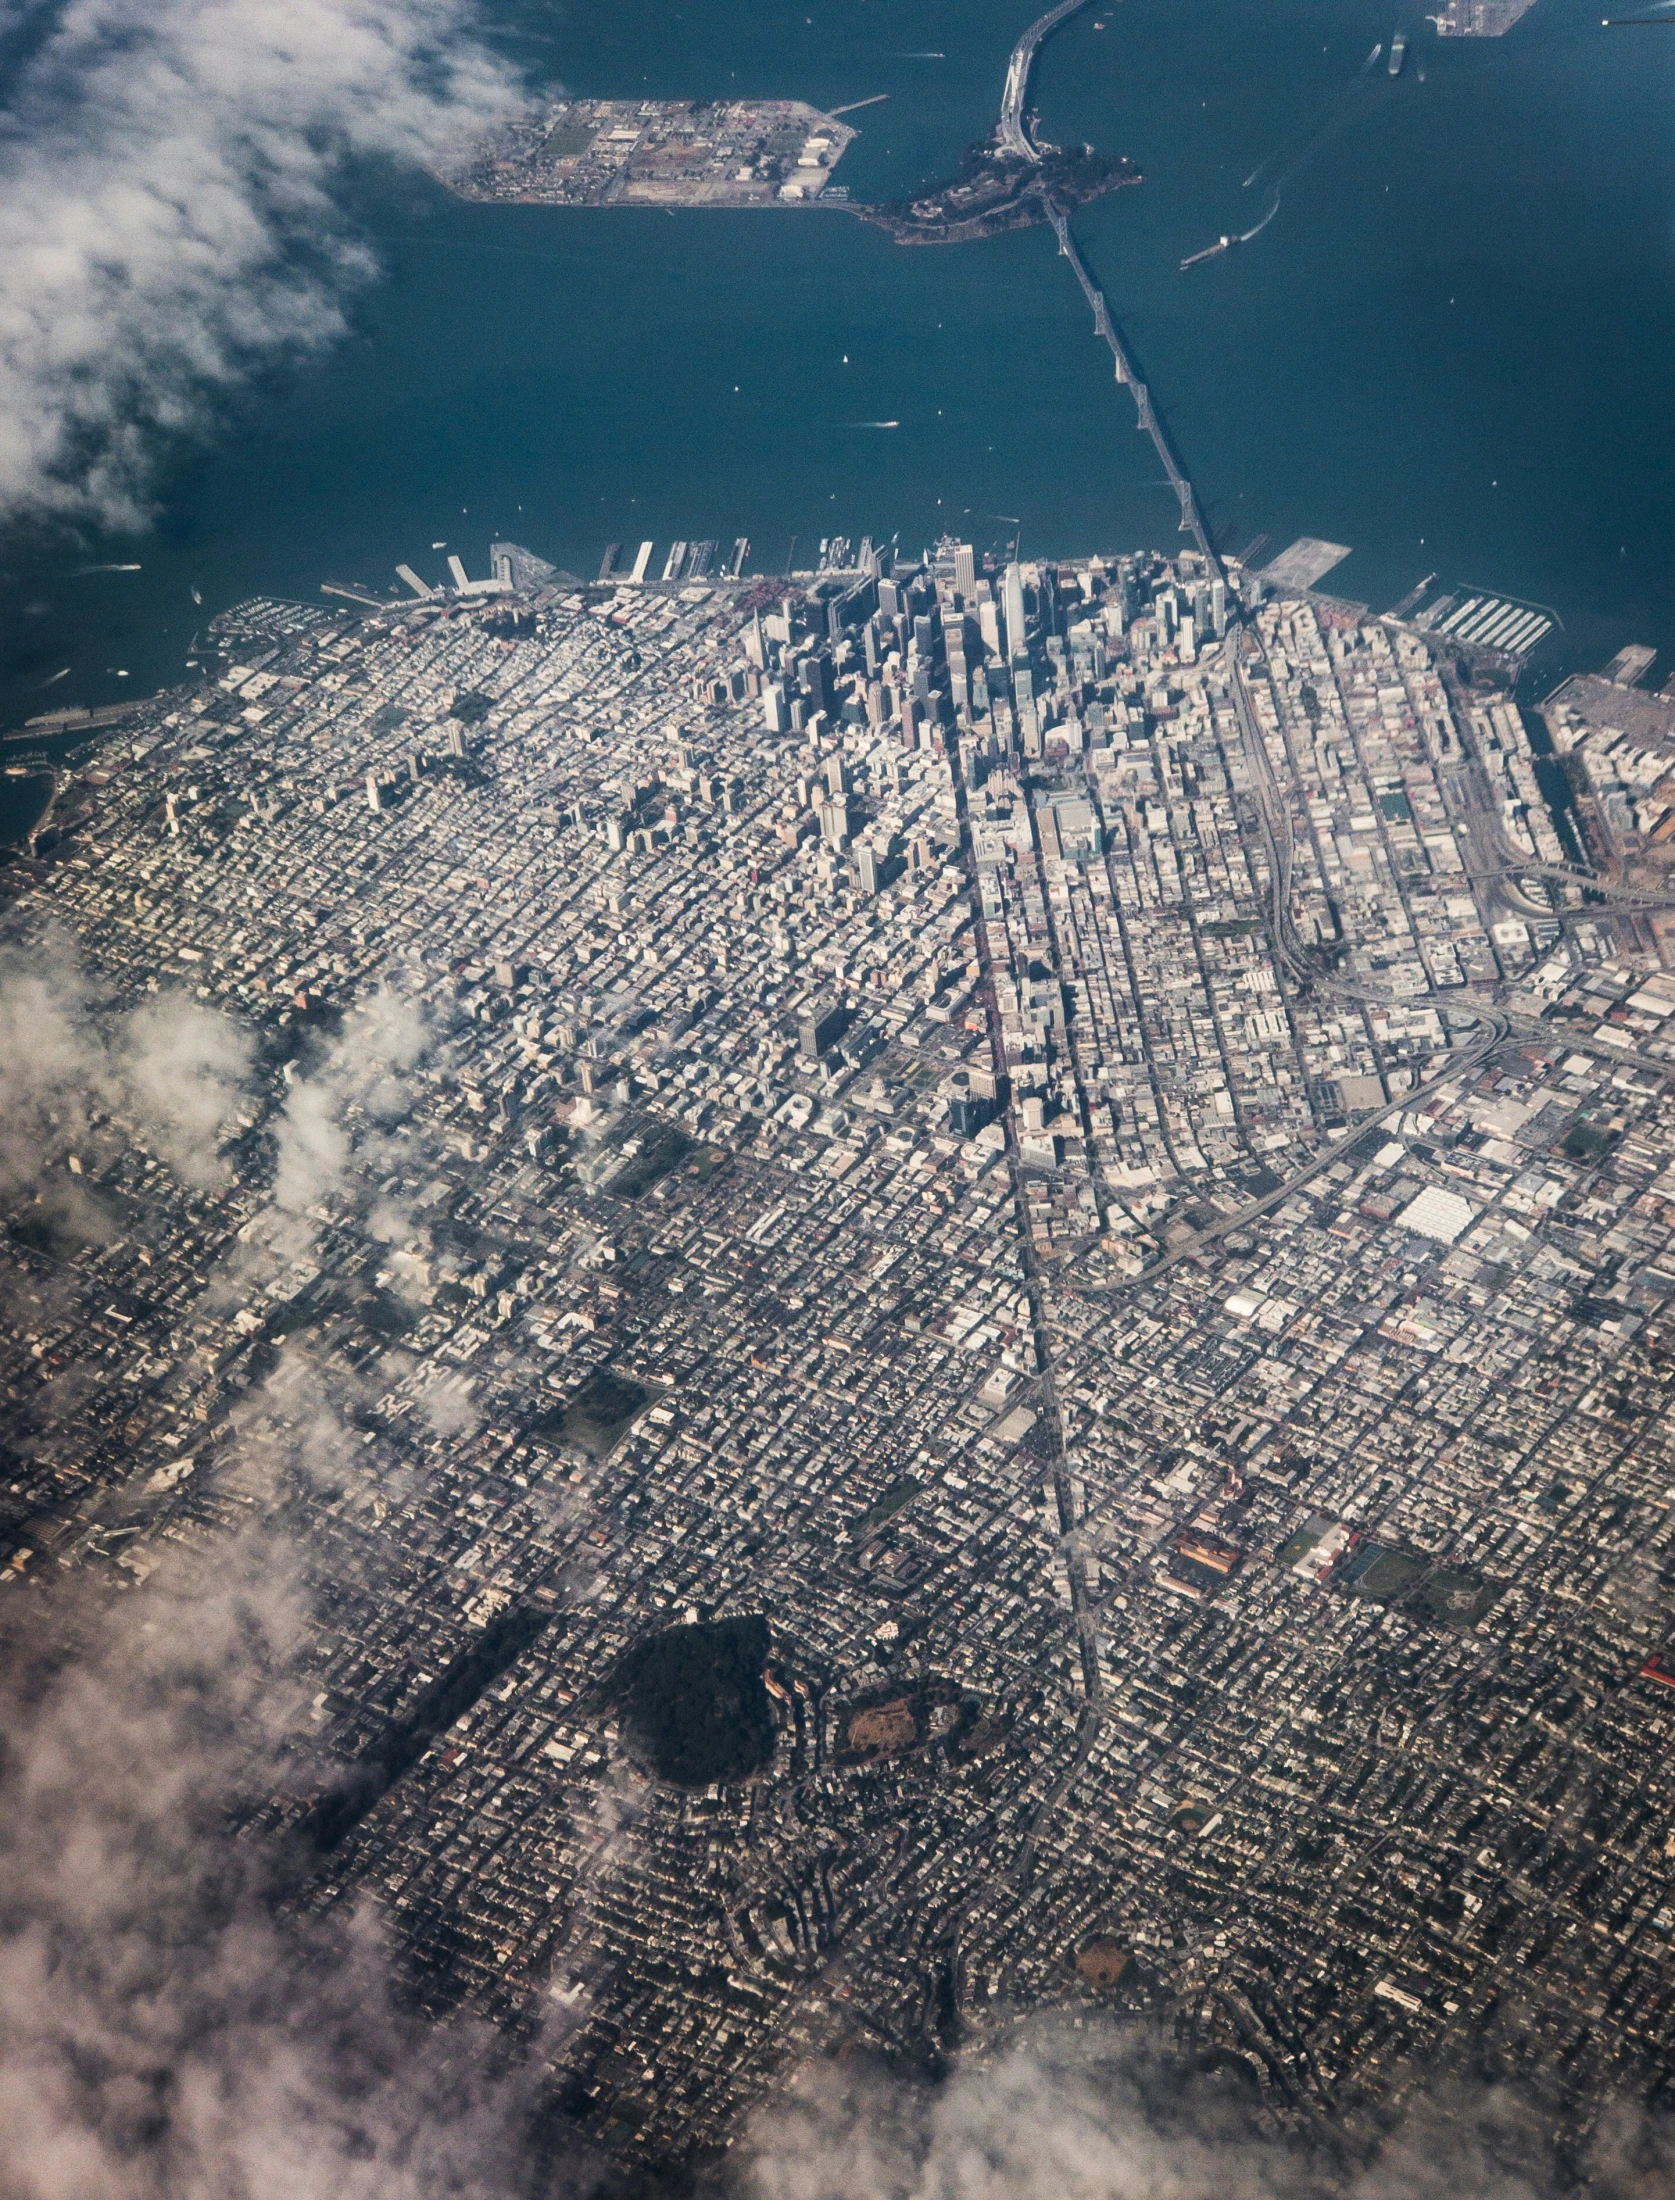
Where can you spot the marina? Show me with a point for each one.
(1487, 621)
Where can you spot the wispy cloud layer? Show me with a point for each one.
(169, 211)
(1097, 2112)
(163, 2034)
(172, 1070)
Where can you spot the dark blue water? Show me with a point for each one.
(23, 801)
(1451, 348)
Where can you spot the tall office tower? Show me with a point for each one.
(774, 714)
(816, 677)
(909, 722)
(924, 638)
(373, 800)
(821, 1028)
(1186, 641)
(869, 644)
(456, 740)
(1218, 608)
(971, 1102)
(1012, 602)
(965, 572)
(837, 779)
(867, 864)
(875, 703)
(889, 598)
(756, 642)
(958, 685)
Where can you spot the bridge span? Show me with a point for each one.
(1192, 520)
(1014, 139)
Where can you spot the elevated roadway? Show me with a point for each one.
(1192, 519)
(1015, 140)
(1013, 137)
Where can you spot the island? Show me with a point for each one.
(741, 153)
(657, 152)
(994, 190)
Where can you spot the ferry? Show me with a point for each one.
(1398, 53)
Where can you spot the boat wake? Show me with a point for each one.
(1291, 156)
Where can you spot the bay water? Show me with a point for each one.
(1451, 347)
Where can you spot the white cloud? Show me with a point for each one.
(164, 2035)
(1102, 2113)
(365, 1071)
(172, 1072)
(169, 217)
(185, 1068)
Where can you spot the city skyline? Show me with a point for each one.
(1004, 1117)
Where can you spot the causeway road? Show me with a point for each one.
(1014, 138)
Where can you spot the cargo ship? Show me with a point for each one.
(1211, 252)
(1398, 53)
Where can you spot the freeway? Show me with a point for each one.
(1013, 137)
(1457, 1064)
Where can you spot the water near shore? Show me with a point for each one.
(1449, 348)
(23, 803)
